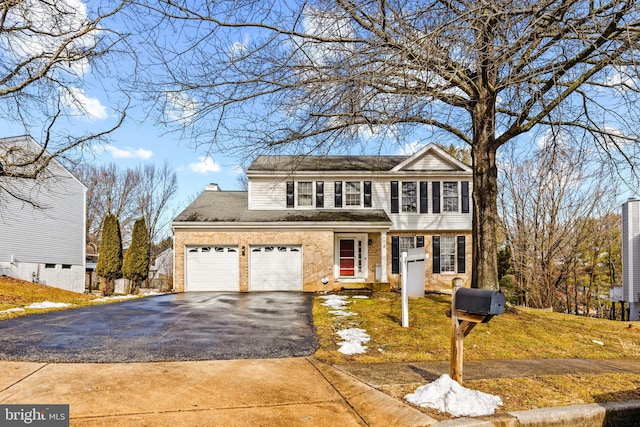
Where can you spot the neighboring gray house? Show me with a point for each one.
(42, 226)
(630, 291)
(161, 270)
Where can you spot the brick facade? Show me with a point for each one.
(317, 256)
(317, 252)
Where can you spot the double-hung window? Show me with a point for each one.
(450, 196)
(305, 194)
(447, 254)
(352, 193)
(409, 197)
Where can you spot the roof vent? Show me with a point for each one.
(213, 187)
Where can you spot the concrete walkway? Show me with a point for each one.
(255, 392)
(382, 374)
(282, 392)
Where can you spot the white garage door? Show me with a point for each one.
(276, 268)
(212, 268)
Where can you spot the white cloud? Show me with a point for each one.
(81, 104)
(204, 165)
(238, 48)
(180, 107)
(55, 22)
(410, 148)
(126, 153)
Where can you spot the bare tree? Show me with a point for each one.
(128, 193)
(323, 75)
(47, 50)
(549, 205)
(110, 190)
(158, 185)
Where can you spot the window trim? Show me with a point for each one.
(308, 194)
(347, 194)
(404, 195)
(447, 186)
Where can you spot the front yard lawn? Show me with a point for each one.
(520, 333)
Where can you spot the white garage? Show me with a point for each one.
(212, 268)
(275, 268)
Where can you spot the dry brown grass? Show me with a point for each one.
(15, 293)
(521, 333)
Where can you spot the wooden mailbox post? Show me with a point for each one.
(468, 308)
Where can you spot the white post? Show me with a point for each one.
(405, 292)
(383, 257)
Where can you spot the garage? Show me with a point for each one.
(275, 268)
(212, 268)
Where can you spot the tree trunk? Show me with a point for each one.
(485, 196)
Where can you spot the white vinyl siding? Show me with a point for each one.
(52, 233)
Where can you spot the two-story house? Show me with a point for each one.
(313, 223)
(42, 221)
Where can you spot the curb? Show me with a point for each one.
(609, 414)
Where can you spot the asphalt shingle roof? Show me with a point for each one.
(325, 163)
(232, 206)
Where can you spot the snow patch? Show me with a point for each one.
(48, 304)
(335, 301)
(446, 395)
(342, 313)
(353, 340)
(12, 310)
(115, 297)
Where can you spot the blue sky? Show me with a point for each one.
(140, 140)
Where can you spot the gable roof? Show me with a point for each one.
(232, 207)
(439, 158)
(26, 156)
(432, 152)
(324, 163)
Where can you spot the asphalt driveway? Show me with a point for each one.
(189, 326)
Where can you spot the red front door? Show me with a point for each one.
(347, 258)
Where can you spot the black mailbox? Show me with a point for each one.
(479, 301)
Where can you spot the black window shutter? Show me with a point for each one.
(465, 196)
(436, 254)
(395, 254)
(367, 194)
(290, 202)
(419, 241)
(337, 202)
(423, 197)
(461, 257)
(395, 207)
(319, 194)
(435, 195)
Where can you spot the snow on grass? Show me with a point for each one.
(115, 297)
(446, 395)
(12, 310)
(49, 304)
(342, 313)
(337, 302)
(353, 340)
